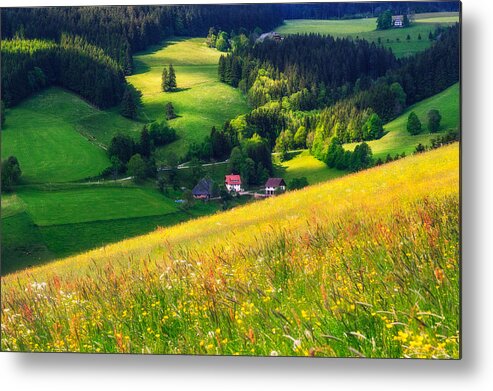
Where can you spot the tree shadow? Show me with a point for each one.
(180, 89)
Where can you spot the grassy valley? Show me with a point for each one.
(60, 138)
(200, 102)
(395, 39)
(286, 276)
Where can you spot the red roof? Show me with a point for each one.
(233, 179)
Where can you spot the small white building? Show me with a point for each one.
(233, 183)
(274, 185)
(398, 21)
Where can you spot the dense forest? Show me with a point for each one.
(30, 65)
(271, 70)
(337, 87)
(120, 31)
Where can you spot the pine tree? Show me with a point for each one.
(128, 106)
(164, 80)
(170, 111)
(171, 78)
(145, 144)
(221, 70)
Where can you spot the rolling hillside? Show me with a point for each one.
(397, 139)
(201, 100)
(365, 265)
(395, 39)
(51, 136)
(303, 164)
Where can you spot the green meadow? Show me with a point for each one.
(93, 203)
(41, 133)
(58, 137)
(303, 164)
(40, 225)
(397, 139)
(200, 102)
(395, 39)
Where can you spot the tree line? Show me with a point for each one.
(30, 65)
(123, 30)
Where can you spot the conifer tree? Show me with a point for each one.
(221, 70)
(128, 107)
(164, 80)
(170, 111)
(171, 78)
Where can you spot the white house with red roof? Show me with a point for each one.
(274, 186)
(233, 183)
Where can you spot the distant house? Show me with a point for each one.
(398, 21)
(233, 182)
(271, 35)
(274, 185)
(204, 189)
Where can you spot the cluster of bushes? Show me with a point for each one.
(135, 158)
(451, 136)
(341, 159)
(218, 39)
(298, 183)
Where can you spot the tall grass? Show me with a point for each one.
(366, 265)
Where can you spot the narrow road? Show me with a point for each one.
(184, 166)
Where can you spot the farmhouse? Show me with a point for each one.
(399, 21)
(204, 189)
(271, 35)
(274, 185)
(233, 182)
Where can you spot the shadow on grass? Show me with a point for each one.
(178, 89)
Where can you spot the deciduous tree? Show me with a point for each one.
(413, 124)
(434, 119)
(136, 168)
